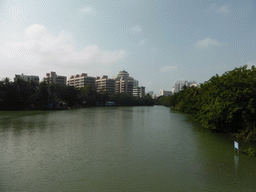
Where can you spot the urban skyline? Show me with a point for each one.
(158, 42)
(121, 83)
(96, 82)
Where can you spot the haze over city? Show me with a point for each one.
(156, 42)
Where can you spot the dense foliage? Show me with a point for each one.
(20, 95)
(226, 103)
(250, 151)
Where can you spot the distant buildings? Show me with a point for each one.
(180, 84)
(135, 83)
(165, 93)
(104, 84)
(82, 80)
(53, 78)
(139, 92)
(121, 83)
(27, 78)
(193, 84)
(126, 84)
(153, 96)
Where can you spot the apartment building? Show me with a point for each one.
(104, 84)
(53, 78)
(124, 83)
(165, 93)
(80, 80)
(139, 92)
(27, 78)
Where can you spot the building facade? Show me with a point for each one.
(82, 80)
(165, 93)
(139, 92)
(124, 83)
(180, 84)
(27, 78)
(104, 84)
(124, 86)
(53, 78)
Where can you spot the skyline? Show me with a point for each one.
(157, 43)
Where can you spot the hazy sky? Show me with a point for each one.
(157, 41)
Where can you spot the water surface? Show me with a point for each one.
(118, 149)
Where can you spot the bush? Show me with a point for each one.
(250, 151)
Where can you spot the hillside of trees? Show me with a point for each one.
(22, 95)
(226, 103)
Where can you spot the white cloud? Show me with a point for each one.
(168, 68)
(88, 9)
(207, 43)
(37, 47)
(136, 29)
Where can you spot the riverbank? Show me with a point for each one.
(225, 103)
(20, 95)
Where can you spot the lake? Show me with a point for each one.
(118, 149)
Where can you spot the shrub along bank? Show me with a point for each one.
(226, 103)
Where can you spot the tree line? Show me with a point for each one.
(226, 103)
(23, 95)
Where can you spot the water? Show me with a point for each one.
(117, 149)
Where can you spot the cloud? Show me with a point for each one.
(168, 68)
(37, 47)
(88, 9)
(207, 43)
(136, 29)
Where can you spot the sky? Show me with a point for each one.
(158, 42)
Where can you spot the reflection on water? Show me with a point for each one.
(236, 161)
(117, 149)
